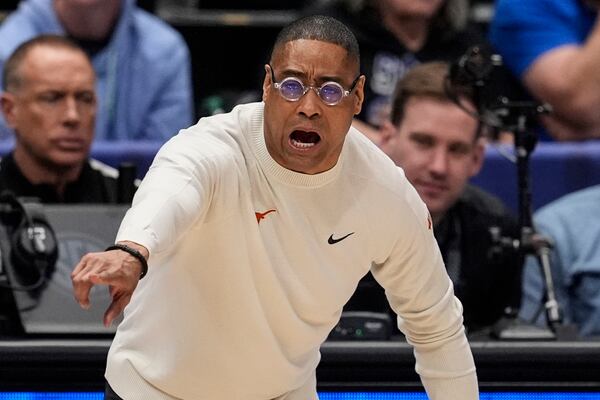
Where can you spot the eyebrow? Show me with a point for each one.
(303, 76)
(426, 135)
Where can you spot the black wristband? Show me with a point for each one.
(134, 253)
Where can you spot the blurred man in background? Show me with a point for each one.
(142, 64)
(439, 146)
(50, 102)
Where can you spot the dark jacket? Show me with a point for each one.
(489, 278)
(93, 185)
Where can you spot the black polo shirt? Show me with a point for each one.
(92, 186)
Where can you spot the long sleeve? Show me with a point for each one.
(421, 293)
(171, 197)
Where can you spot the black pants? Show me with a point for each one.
(110, 394)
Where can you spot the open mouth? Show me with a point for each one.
(304, 139)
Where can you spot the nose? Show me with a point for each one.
(438, 165)
(72, 113)
(310, 104)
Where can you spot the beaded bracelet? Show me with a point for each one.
(134, 253)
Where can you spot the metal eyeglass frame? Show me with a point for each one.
(306, 88)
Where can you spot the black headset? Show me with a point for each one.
(33, 244)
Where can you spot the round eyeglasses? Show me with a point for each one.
(292, 89)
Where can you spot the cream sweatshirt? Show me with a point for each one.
(251, 264)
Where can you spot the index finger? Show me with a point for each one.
(80, 265)
(83, 277)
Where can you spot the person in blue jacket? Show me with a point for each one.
(142, 64)
(553, 47)
(570, 223)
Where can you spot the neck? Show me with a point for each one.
(88, 22)
(38, 172)
(410, 31)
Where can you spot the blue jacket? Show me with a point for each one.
(143, 74)
(573, 224)
(522, 30)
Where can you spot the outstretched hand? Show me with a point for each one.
(117, 269)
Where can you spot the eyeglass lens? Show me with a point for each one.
(293, 89)
(331, 93)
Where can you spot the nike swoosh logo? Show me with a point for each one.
(331, 240)
(260, 215)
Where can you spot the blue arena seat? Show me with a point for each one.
(140, 153)
(555, 170)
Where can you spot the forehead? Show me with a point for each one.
(56, 65)
(439, 118)
(314, 57)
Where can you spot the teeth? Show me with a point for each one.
(302, 145)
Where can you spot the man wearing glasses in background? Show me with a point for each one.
(254, 228)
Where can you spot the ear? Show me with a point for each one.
(359, 94)
(478, 156)
(8, 104)
(387, 130)
(266, 82)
